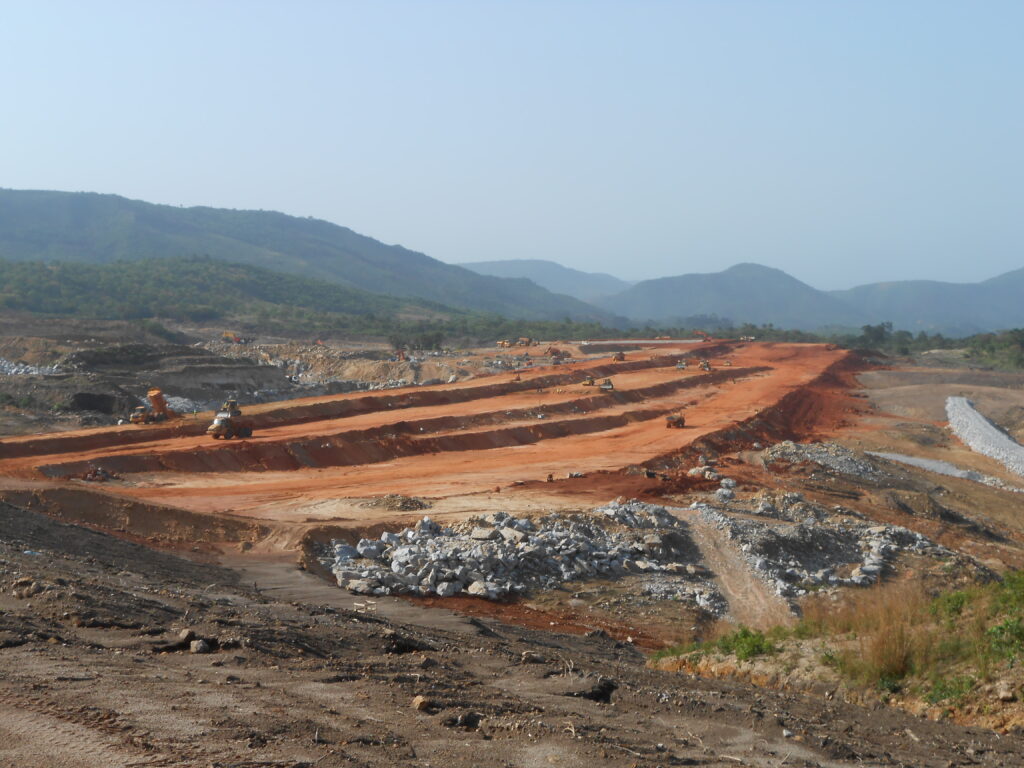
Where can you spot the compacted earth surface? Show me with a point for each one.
(117, 655)
(169, 599)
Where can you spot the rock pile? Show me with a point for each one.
(10, 368)
(795, 558)
(830, 455)
(983, 436)
(501, 554)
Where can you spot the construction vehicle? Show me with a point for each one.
(681, 365)
(705, 365)
(504, 343)
(589, 381)
(517, 377)
(619, 357)
(524, 341)
(158, 409)
(228, 422)
(675, 421)
(607, 385)
(727, 363)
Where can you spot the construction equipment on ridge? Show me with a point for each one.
(158, 409)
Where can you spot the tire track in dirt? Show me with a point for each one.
(751, 602)
(37, 732)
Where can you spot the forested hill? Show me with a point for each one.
(98, 229)
(203, 290)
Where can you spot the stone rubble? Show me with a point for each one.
(830, 455)
(794, 559)
(500, 554)
(11, 368)
(980, 435)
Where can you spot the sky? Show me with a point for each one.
(844, 142)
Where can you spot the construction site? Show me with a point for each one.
(492, 550)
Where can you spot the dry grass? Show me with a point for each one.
(889, 633)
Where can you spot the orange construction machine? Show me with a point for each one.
(158, 409)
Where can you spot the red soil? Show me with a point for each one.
(469, 438)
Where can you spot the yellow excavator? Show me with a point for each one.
(158, 409)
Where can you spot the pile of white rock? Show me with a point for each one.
(831, 455)
(501, 554)
(10, 368)
(794, 559)
(983, 436)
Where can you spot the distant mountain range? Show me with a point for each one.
(751, 293)
(98, 229)
(745, 293)
(585, 286)
(956, 309)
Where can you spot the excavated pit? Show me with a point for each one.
(409, 438)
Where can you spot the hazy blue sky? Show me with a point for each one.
(844, 142)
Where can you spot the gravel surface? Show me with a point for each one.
(983, 436)
(945, 468)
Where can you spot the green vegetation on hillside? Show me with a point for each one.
(201, 289)
(102, 229)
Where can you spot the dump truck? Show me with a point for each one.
(228, 422)
(675, 421)
(158, 409)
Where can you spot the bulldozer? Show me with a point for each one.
(618, 357)
(228, 422)
(675, 421)
(607, 385)
(158, 409)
